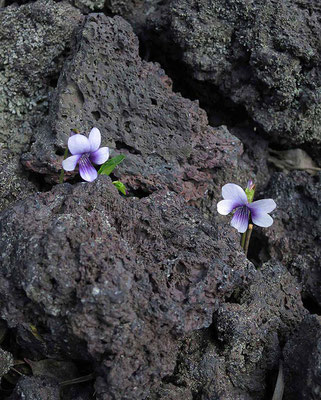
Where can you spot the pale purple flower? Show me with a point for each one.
(236, 199)
(86, 151)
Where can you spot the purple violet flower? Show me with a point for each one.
(236, 199)
(86, 151)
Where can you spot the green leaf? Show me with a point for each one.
(121, 187)
(110, 165)
(250, 194)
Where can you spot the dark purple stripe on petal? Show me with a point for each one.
(86, 170)
(240, 220)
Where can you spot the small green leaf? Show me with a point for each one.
(249, 194)
(121, 187)
(110, 165)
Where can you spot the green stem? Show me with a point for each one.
(62, 173)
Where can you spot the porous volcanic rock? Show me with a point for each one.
(233, 358)
(36, 388)
(115, 281)
(302, 361)
(294, 237)
(165, 137)
(6, 362)
(14, 182)
(34, 40)
(262, 55)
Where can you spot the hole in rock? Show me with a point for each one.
(235, 297)
(30, 349)
(18, 2)
(311, 304)
(39, 181)
(221, 110)
(60, 152)
(140, 192)
(270, 382)
(258, 251)
(96, 115)
(123, 146)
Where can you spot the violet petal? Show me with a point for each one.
(86, 170)
(261, 218)
(69, 164)
(224, 207)
(94, 139)
(265, 205)
(100, 156)
(240, 220)
(230, 191)
(78, 144)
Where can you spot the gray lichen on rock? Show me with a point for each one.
(262, 55)
(33, 39)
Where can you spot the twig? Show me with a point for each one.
(78, 380)
(279, 386)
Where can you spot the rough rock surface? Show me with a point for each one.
(232, 360)
(14, 183)
(115, 281)
(294, 238)
(6, 362)
(34, 40)
(303, 373)
(36, 388)
(165, 137)
(263, 55)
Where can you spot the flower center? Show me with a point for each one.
(84, 159)
(243, 211)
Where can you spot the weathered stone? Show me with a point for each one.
(115, 280)
(6, 362)
(302, 361)
(14, 183)
(165, 137)
(294, 237)
(263, 55)
(233, 358)
(33, 40)
(35, 388)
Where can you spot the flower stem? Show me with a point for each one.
(62, 173)
(248, 237)
(243, 237)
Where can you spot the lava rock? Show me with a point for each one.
(233, 358)
(302, 361)
(6, 362)
(294, 237)
(116, 281)
(14, 182)
(33, 41)
(165, 137)
(36, 388)
(262, 55)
